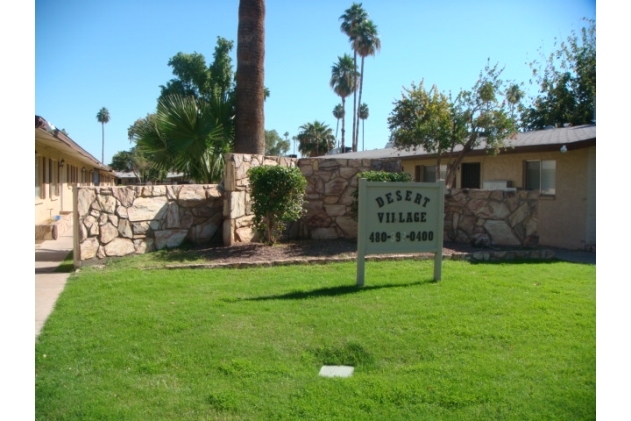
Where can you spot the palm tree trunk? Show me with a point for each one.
(103, 143)
(343, 118)
(363, 131)
(361, 87)
(337, 126)
(354, 142)
(250, 90)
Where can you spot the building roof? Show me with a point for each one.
(130, 174)
(574, 137)
(46, 133)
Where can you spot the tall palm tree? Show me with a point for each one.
(352, 17)
(343, 79)
(250, 91)
(363, 115)
(366, 43)
(315, 137)
(103, 117)
(190, 136)
(338, 113)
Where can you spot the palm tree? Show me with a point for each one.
(352, 17)
(250, 91)
(366, 43)
(103, 117)
(190, 136)
(338, 113)
(363, 115)
(343, 78)
(314, 137)
(513, 95)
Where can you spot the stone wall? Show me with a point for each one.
(237, 210)
(330, 185)
(116, 221)
(486, 218)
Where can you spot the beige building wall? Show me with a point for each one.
(563, 218)
(55, 182)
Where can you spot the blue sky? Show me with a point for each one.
(92, 54)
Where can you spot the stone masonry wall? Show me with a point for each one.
(237, 211)
(330, 185)
(116, 221)
(491, 217)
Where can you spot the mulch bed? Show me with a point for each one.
(309, 250)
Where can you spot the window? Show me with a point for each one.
(470, 176)
(53, 178)
(95, 177)
(427, 173)
(38, 178)
(540, 176)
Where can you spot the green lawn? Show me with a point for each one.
(512, 341)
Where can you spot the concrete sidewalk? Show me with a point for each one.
(48, 284)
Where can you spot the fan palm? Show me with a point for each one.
(338, 113)
(366, 43)
(190, 136)
(363, 115)
(343, 82)
(315, 137)
(352, 17)
(103, 117)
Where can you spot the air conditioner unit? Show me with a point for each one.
(505, 185)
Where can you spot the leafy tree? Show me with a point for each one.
(351, 18)
(363, 114)
(103, 117)
(567, 83)
(274, 144)
(316, 139)
(195, 78)
(188, 135)
(137, 163)
(366, 42)
(338, 113)
(175, 137)
(277, 198)
(343, 81)
(250, 92)
(430, 119)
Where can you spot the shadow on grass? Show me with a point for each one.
(67, 266)
(331, 292)
(515, 262)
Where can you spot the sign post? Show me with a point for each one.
(400, 217)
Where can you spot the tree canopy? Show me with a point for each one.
(566, 78)
(315, 139)
(452, 128)
(274, 144)
(193, 125)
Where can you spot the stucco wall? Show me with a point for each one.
(562, 217)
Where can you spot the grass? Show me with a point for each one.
(488, 342)
(67, 265)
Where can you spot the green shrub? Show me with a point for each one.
(277, 198)
(377, 176)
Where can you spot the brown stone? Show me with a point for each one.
(88, 248)
(108, 233)
(125, 195)
(120, 247)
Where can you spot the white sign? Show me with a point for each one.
(400, 217)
